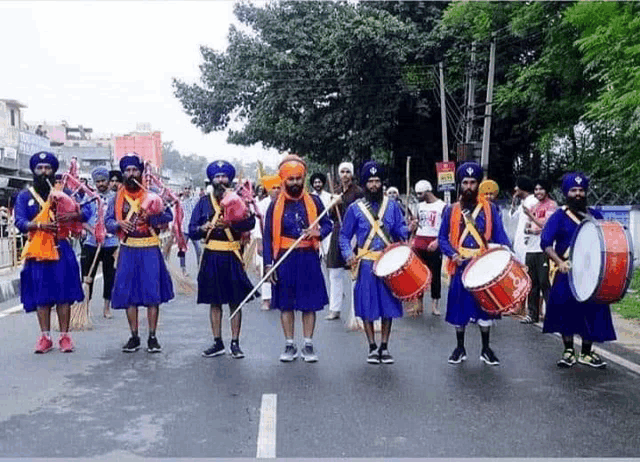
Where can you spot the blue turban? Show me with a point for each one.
(574, 180)
(131, 158)
(370, 169)
(469, 170)
(100, 173)
(43, 157)
(221, 166)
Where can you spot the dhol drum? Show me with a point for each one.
(403, 271)
(601, 261)
(497, 280)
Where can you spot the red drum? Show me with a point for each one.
(403, 272)
(601, 262)
(497, 280)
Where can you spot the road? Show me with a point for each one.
(100, 403)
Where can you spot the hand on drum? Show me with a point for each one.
(564, 267)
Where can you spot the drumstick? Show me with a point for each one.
(281, 259)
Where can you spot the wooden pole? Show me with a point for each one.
(443, 118)
(486, 134)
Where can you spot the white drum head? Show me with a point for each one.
(586, 261)
(392, 261)
(486, 268)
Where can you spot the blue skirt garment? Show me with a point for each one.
(300, 283)
(46, 283)
(141, 278)
(222, 279)
(372, 298)
(462, 307)
(592, 321)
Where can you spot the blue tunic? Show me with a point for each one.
(300, 283)
(111, 240)
(372, 298)
(462, 307)
(221, 278)
(46, 283)
(141, 276)
(592, 321)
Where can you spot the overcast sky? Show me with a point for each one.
(109, 64)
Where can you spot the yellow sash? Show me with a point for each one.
(151, 241)
(553, 267)
(376, 229)
(217, 212)
(223, 246)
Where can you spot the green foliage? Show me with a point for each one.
(629, 306)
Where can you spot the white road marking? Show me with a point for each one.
(267, 427)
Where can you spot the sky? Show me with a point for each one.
(108, 65)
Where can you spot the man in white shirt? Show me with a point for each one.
(425, 244)
(318, 181)
(272, 184)
(522, 193)
(189, 201)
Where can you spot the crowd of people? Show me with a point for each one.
(318, 246)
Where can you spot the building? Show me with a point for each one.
(145, 142)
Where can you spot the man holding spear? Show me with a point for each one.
(297, 284)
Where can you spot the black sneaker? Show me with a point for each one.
(153, 346)
(236, 352)
(289, 354)
(592, 360)
(133, 344)
(308, 354)
(373, 357)
(216, 349)
(527, 320)
(458, 355)
(568, 358)
(489, 357)
(385, 357)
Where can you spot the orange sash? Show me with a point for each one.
(120, 199)
(455, 228)
(278, 212)
(41, 245)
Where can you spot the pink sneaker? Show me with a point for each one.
(43, 345)
(65, 343)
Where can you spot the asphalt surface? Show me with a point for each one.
(100, 403)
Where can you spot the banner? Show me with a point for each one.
(446, 176)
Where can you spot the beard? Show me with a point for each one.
(42, 184)
(468, 198)
(219, 190)
(371, 196)
(131, 183)
(294, 191)
(578, 204)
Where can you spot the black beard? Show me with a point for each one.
(468, 198)
(42, 184)
(294, 191)
(577, 204)
(131, 183)
(373, 196)
(218, 190)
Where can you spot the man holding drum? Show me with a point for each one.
(221, 277)
(467, 226)
(592, 321)
(376, 221)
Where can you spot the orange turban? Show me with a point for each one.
(271, 181)
(292, 165)
(488, 186)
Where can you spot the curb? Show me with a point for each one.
(9, 289)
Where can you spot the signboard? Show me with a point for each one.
(446, 176)
(10, 153)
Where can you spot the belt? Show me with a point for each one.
(368, 254)
(151, 241)
(223, 246)
(466, 252)
(287, 242)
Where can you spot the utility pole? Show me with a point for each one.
(471, 101)
(486, 135)
(443, 116)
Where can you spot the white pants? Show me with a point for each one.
(341, 288)
(265, 289)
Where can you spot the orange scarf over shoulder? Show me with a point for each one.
(455, 227)
(278, 212)
(140, 194)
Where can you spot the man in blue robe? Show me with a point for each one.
(592, 321)
(376, 221)
(141, 276)
(221, 278)
(297, 284)
(47, 280)
(459, 244)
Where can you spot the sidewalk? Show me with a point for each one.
(9, 283)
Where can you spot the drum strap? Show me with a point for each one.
(134, 206)
(470, 228)
(377, 229)
(217, 212)
(553, 267)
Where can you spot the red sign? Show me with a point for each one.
(446, 176)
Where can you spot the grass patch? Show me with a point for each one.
(629, 306)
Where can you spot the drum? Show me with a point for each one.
(402, 271)
(601, 261)
(497, 280)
